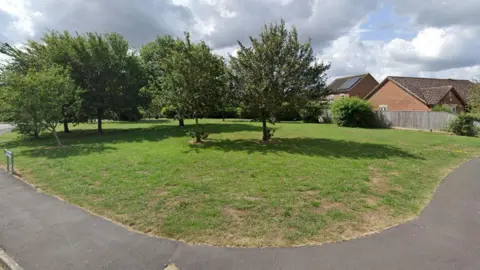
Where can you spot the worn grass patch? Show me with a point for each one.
(312, 184)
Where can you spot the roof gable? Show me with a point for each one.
(346, 84)
(416, 84)
(433, 95)
(429, 90)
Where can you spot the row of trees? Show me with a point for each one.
(71, 79)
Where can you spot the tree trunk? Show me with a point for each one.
(65, 127)
(197, 131)
(181, 122)
(265, 130)
(54, 132)
(35, 134)
(99, 121)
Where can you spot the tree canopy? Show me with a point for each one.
(277, 68)
(193, 79)
(32, 99)
(109, 72)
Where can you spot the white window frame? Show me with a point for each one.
(454, 109)
(383, 108)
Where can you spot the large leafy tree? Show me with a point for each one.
(34, 99)
(193, 79)
(57, 48)
(277, 68)
(110, 73)
(54, 49)
(103, 65)
(153, 55)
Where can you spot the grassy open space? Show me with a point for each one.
(313, 183)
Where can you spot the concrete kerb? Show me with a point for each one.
(7, 262)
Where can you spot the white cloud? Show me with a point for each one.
(434, 52)
(21, 18)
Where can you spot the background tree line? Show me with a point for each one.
(66, 79)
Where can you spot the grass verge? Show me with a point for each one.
(311, 184)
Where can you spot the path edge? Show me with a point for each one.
(19, 177)
(8, 262)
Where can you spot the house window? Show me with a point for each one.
(342, 96)
(383, 108)
(454, 109)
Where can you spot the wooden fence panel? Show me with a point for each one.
(417, 120)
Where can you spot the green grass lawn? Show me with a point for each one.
(311, 184)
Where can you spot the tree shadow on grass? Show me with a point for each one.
(85, 142)
(66, 151)
(310, 147)
(148, 122)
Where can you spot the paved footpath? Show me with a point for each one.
(41, 232)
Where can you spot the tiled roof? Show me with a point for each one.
(336, 85)
(431, 90)
(433, 95)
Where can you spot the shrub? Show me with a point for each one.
(353, 112)
(239, 112)
(287, 112)
(130, 114)
(441, 108)
(311, 112)
(203, 134)
(230, 112)
(464, 125)
(246, 113)
(169, 112)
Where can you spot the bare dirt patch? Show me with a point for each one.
(233, 214)
(378, 181)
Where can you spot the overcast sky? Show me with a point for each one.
(429, 38)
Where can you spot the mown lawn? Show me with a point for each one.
(311, 184)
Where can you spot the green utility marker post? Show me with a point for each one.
(9, 156)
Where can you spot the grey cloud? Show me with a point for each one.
(322, 21)
(440, 13)
(139, 21)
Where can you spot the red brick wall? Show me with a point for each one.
(365, 86)
(396, 98)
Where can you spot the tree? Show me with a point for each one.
(474, 98)
(109, 72)
(277, 68)
(18, 60)
(153, 55)
(35, 99)
(193, 79)
(57, 48)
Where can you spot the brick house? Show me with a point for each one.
(419, 94)
(351, 86)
